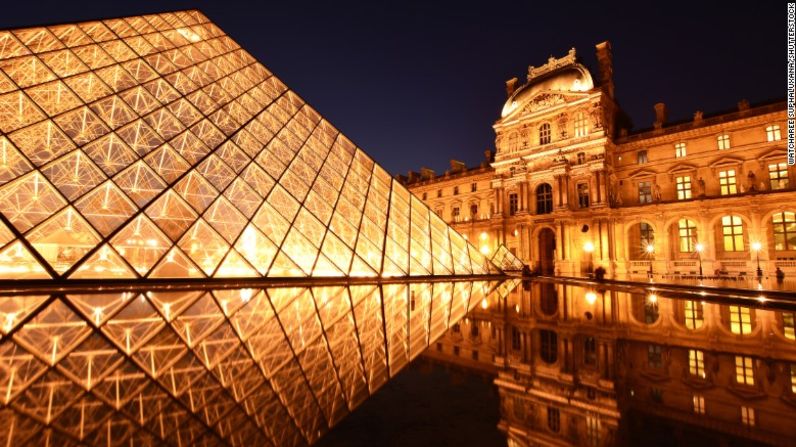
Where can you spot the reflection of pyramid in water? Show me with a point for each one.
(156, 147)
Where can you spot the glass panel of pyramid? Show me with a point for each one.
(156, 146)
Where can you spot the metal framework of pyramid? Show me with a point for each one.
(156, 147)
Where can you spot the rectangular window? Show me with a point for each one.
(475, 355)
(687, 233)
(583, 195)
(641, 157)
(732, 233)
(778, 176)
(473, 211)
(425, 196)
(654, 356)
(789, 325)
(784, 224)
(699, 404)
(593, 430)
(748, 416)
(772, 133)
(580, 125)
(683, 187)
(513, 204)
(455, 190)
(473, 187)
(439, 193)
(740, 320)
(553, 419)
(590, 351)
(744, 370)
(644, 192)
(515, 339)
(455, 214)
(696, 363)
(693, 315)
(727, 182)
(723, 142)
(793, 378)
(646, 236)
(679, 150)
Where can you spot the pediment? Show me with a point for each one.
(547, 99)
(779, 153)
(726, 162)
(643, 173)
(681, 168)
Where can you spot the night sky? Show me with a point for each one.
(418, 84)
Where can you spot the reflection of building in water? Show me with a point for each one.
(568, 187)
(578, 367)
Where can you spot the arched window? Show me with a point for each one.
(544, 133)
(580, 125)
(732, 233)
(548, 298)
(544, 199)
(548, 346)
(645, 310)
(687, 235)
(784, 224)
(646, 236)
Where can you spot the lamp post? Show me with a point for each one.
(650, 252)
(756, 246)
(699, 247)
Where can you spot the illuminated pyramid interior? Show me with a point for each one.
(156, 147)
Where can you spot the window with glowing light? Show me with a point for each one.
(723, 142)
(646, 236)
(593, 430)
(544, 199)
(740, 319)
(744, 370)
(683, 184)
(789, 325)
(778, 176)
(581, 129)
(748, 416)
(455, 213)
(732, 233)
(773, 133)
(699, 404)
(693, 314)
(793, 377)
(474, 211)
(727, 182)
(687, 233)
(641, 157)
(784, 224)
(679, 150)
(544, 133)
(696, 363)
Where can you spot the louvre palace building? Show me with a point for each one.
(569, 189)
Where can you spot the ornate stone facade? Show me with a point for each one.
(569, 189)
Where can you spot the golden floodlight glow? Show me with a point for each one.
(650, 248)
(652, 298)
(588, 247)
(484, 304)
(157, 147)
(591, 297)
(756, 246)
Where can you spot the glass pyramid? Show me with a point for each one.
(156, 147)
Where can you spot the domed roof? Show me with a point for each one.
(569, 78)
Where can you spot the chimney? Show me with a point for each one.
(660, 115)
(511, 86)
(426, 173)
(698, 116)
(457, 166)
(605, 61)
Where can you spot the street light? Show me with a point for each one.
(699, 247)
(650, 250)
(591, 297)
(756, 246)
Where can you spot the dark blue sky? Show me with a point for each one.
(419, 83)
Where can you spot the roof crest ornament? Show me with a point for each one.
(552, 64)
